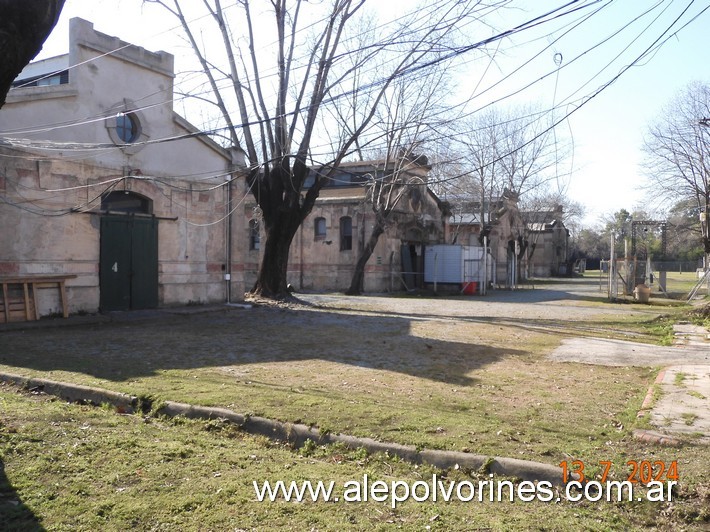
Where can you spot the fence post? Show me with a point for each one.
(436, 256)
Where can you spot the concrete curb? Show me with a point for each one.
(647, 404)
(650, 436)
(74, 393)
(294, 434)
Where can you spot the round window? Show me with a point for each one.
(127, 127)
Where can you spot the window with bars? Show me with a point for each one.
(346, 233)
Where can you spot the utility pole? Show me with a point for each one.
(705, 219)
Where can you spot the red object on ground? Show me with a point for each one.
(470, 289)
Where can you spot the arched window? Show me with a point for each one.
(254, 236)
(346, 233)
(319, 230)
(126, 202)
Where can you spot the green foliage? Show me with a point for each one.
(620, 225)
(308, 448)
(661, 329)
(685, 231)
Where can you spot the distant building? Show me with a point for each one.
(548, 243)
(539, 239)
(330, 239)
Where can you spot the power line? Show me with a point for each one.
(599, 90)
(50, 127)
(405, 72)
(213, 131)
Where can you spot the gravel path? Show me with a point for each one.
(568, 300)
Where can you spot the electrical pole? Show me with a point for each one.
(705, 219)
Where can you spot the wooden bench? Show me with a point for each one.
(19, 296)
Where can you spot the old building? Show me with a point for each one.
(105, 186)
(548, 243)
(539, 239)
(502, 227)
(325, 249)
(103, 182)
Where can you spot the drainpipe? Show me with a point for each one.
(484, 284)
(228, 273)
(300, 242)
(238, 161)
(361, 246)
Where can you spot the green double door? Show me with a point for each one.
(128, 265)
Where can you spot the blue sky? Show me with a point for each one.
(607, 131)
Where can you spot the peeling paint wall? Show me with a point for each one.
(59, 154)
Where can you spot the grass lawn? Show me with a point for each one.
(437, 383)
(469, 382)
(678, 285)
(71, 467)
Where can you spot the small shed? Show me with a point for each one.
(455, 265)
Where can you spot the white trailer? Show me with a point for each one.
(453, 264)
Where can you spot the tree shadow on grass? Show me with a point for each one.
(14, 514)
(122, 350)
(559, 326)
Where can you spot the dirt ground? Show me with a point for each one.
(469, 374)
(405, 368)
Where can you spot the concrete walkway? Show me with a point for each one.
(682, 405)
(608, 352)
(683, 408)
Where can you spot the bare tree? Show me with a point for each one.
(513, 152)
(386, 190)
(24, 26)
(276, 115)
(406, 120)
(678, 154)
(530, 153)
(446, 181)
(483, 152)
(684, 231)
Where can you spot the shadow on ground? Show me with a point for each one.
(14, 514)
(122, 350)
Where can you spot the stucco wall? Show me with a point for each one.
(46, 238)
(318, 263)
(129, 79)
(42, 181)
(550, 251)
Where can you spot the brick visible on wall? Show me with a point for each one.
(215, 267)
(9, 268)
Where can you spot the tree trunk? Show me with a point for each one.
(24, 26)
(272, 279)
(359, 274)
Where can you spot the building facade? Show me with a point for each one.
(102, 180)
(104, 183)
(522, 244)
(330, 240)
(548, 244)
